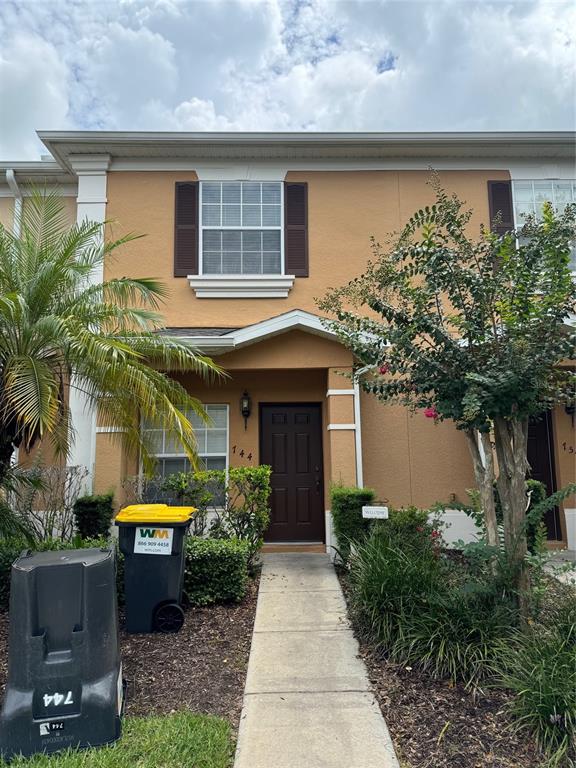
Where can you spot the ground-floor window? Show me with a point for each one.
(212, 443)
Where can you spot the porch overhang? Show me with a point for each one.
(236, 338)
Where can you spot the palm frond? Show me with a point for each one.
(61, 331)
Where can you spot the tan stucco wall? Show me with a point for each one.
(341, 409)
(410, 460)
(295, 349)
(7, 211)
(345, 208)
(111, 467)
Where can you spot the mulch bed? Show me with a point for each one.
(202, 668)
(434, 724)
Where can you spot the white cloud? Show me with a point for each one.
(31, 95)
(285, 65)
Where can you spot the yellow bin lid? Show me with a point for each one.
(154, 513)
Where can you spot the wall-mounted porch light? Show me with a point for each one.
(245, 407)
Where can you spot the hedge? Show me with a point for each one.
(346, 507)
(216, 570)
(93, 515)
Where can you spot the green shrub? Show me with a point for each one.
(423, 609)
(407, 526)
(237, 501)
(346, 507)
(452, 634)
(246, 513)
(93, 516)
(216, 570)
(10, 550)
(204, 490)
(13, 524)
(386, 576)
(539, 667)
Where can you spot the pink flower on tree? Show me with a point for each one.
(431, 412)
(384, 369)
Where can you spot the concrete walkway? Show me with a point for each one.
(557, 563)
(307, 701)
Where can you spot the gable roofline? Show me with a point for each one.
(294, 320)
(302, 146)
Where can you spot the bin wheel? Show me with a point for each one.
(168, 618)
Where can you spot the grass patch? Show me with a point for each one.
(181, 740)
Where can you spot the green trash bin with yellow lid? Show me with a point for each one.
(152, 540)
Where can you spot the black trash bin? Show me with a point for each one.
(64, 684)
(152, 539)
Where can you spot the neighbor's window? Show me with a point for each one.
(530, 196)
(241, 227)
(212, 443)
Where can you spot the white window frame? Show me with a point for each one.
(535, 212)
(201, 228)
(204, 455)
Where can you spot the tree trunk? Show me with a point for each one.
(511, 450)
(484, 474)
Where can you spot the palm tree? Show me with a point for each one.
(60, 331)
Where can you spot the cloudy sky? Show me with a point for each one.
(382, 65)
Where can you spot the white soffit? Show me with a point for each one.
(307, 147)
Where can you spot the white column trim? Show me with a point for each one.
(336, 392)
(358, 437)
(91, 171)
(16, 193)
(341, 426)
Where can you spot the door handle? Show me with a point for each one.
(318, 485)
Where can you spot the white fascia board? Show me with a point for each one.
(302, 137)
(296, 319)
(210, 345)
(238, 147)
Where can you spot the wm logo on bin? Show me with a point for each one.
(154, 533)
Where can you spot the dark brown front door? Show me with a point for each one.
(291, 443)
(541, 460)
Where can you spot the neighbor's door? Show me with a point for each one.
(541, 460)
(291, 443)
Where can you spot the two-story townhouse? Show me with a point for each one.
(247, 231)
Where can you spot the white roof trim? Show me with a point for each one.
(307, 146)
(296, 319)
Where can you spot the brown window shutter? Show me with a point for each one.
(296, 229)
(500, 201)
(186, 229)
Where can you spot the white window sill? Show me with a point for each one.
(241, 286)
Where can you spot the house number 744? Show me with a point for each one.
(241, 452)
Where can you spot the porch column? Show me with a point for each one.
(91, 205)
(342, 410)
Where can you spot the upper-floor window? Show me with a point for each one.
(529, 197)
(241, 227)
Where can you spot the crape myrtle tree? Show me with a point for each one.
(475, 331)
(60, 331)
